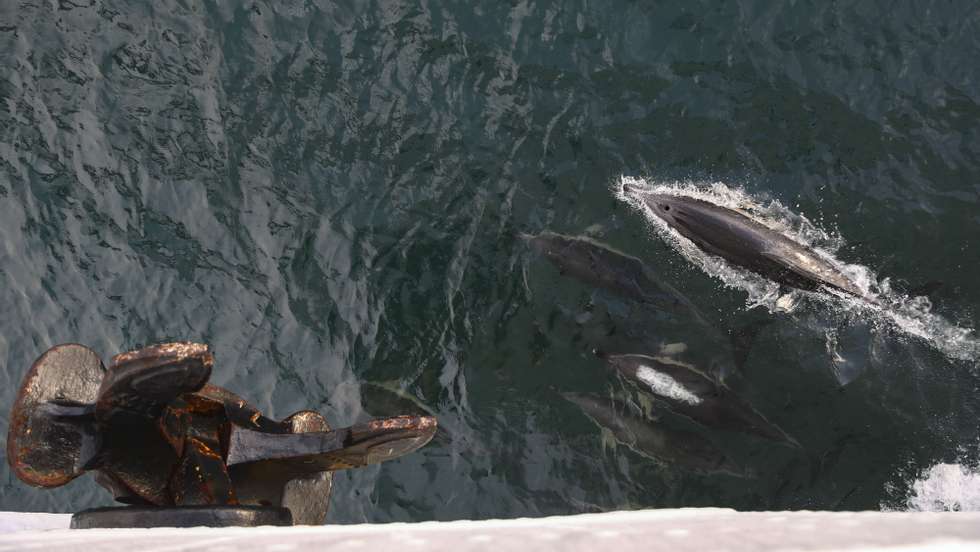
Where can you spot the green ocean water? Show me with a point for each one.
(332, 194)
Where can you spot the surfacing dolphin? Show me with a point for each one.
(689, 392)
(748, 243)
(655, 441)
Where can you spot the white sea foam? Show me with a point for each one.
(665, 386)
(945, 488)
(908, 315)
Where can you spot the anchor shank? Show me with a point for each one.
(246, 445)
(370, 443)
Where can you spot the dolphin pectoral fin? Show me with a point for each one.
(673, 348)
(791, 442)
(806, 278)
(796, 273)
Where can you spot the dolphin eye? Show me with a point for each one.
(666, 207)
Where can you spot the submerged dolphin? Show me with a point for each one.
(682, 449)
(602, 266)
(748, 243)
(691, 393)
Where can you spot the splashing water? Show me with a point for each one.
(945, 488)
(908, 315)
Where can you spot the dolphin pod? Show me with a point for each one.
(678, 385)
(681, 387)
(747, 243)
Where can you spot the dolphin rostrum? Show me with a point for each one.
(746, 242)
(691, 393)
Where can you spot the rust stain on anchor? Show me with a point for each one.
(157, 434)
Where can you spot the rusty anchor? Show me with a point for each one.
(178, 450)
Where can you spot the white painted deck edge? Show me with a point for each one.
(647, 530)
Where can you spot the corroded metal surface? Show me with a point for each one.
(352, 447)
(191, 516)
(43, 448)
(158, 436)
(140, 384)
(307, 496)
